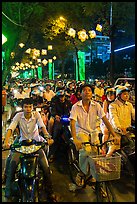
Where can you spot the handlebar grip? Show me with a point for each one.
(5, 149)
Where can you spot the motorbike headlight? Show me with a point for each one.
(28, 149)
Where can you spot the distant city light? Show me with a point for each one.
(124, 48)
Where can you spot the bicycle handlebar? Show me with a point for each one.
(98, 145)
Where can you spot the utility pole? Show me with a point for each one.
(111, 47)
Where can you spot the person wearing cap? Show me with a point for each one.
(110, 97)
(60, 106)
(70, 88)
(48, 94)
(83, 120)
(28, 122)
(37, 99)
(121, 112)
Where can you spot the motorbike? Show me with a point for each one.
(127, 152)
(28, 183)
(65, 131)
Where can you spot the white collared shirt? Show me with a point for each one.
(28, 128)
(121, 114)
(86, 120)
(48, 95)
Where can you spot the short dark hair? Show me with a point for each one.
(85, 85)
(27, 101)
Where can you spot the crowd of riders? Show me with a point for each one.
(56, 98)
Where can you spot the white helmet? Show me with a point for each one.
(121, 89)
(128, 85)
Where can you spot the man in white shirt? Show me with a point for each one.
(20, 93)
(83, 120)
(28, 122)
(121, 112)
(48, 93)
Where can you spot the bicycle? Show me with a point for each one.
(106, 170)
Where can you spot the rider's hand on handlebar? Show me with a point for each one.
(50, 141)
(116, 140)
(78, 144)
(6, 145)
(124, 131)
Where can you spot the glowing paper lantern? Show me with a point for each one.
(44, 52)
(21, 45)
(82, 35)
(71, 32)
(49, 47)
(54, 57)
(36, 52)
(44, 62)
(28, 51)
(99, 27)
(92, 34)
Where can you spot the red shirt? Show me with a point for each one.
(73, 99)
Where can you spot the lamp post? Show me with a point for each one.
(53, 68)
(111, 47)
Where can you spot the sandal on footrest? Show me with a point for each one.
(80, 180)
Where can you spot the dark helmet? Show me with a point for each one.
(60, 93)
(110, 90)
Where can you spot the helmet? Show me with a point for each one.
(35, 92)
(98, 83)
(121, 89)
(48, 84)
(68, 83)
(106, 87)
(60, 93)
(116, 87)
(128, 85)
(110, 90)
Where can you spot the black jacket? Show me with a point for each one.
(58, 108)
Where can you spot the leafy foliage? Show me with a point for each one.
(35, 24)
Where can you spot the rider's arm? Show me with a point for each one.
(105, 106)
(73, 133)
(40, 123)
(113, 116)
(11, 129)
(109, 126)
(7, 137)
(73, 128)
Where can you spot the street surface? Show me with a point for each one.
(124, 188)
